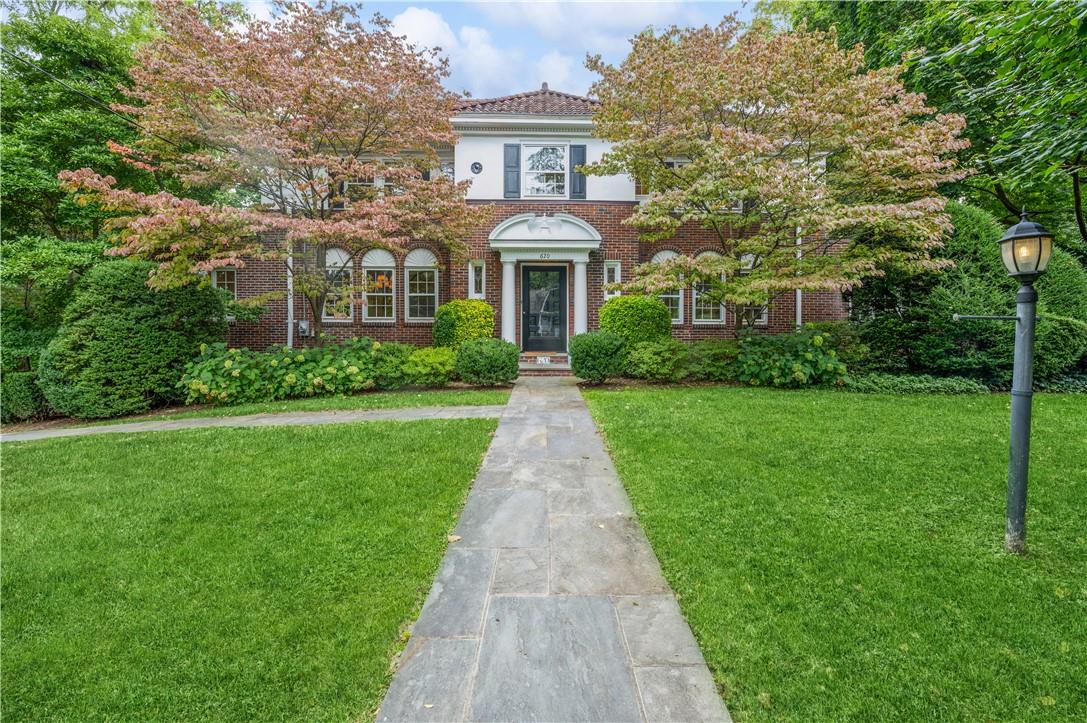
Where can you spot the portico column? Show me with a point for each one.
(509, 310)
(581, 298)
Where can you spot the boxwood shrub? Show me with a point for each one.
(389, 360)
(488, 361)
(714, 360)
(664, 360)
(636, 318)
(430, 366)
(458, 321)
(597, 356)
(20, 397)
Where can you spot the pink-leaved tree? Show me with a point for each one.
(812, 173)
(284, 117)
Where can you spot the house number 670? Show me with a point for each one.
(545, 256)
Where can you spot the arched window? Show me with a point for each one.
(380, 268)
(338, 306)
(673, 299)
(707, 311)
(421, 289)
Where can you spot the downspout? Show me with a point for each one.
(799, 303)
(290, 302)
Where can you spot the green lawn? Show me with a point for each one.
(227, 574)
(839, 556)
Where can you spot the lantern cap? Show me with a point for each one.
(1025, 229)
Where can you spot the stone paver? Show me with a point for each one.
(551, 605)
(271, 419)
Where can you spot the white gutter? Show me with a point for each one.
(290, 302)
(799, 303)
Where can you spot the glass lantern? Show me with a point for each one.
(1026, 248)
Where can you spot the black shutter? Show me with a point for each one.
(577, 180)
(511, 171)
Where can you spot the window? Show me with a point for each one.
(421, 271)
(640, 185)
(673, 299)
(338, 306)
(225, 279)
(379, 266)
(477, 279)
(755, 315)
(707, 311)
(544, 170)
(612, 275)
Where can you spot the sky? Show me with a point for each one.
(501, 48)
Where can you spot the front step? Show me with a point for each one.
(544, 364)
(544, 357)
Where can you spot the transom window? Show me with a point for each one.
(379, 266)
(543, 170)
(227, 280)
(477, 279)
(672, 299)
(338, 306)
(421, 270)
(612, 275)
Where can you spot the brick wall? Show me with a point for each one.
(620, 243)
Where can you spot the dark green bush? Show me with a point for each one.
(1073, 383)
(597, 356)
(665, 360)
(121, 347)
(912, 384)
(20, 397)
(788, 360)
(636, 318)
(457, 321)
(389, 358)
(430, 366)
(906, 320)
(488, 361)
(714, 360)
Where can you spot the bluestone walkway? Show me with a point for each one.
(551, 605)
(270, 419)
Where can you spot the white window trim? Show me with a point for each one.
(392, 293)
(705, 322)
(524, 170)
(763, 318)
(346, 269)
(215, 272)
(477, 267)
(677, 292)
(407, 292)
(618, 266)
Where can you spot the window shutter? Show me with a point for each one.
(511, 171)
(577, 180)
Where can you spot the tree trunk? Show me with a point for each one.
(317, 306)
(1077, 206)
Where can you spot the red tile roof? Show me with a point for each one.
(537, 102)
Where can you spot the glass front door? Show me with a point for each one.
(543, 308)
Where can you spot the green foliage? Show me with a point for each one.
(121, 347)
(636, 318)
(598, 355)
(20, 397)
(788, 360)
(389, 360)
(488, 361)
(1074, 383)
(714, 360)
(665, 360)
(912, 384)
(906, 320)
(430, 366)
(457, 321)
(845, 338)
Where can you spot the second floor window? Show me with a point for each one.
(544, 170)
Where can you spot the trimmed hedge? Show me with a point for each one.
(121, 346)
(21, 398)
(666, 360)
(458, 321)
(598, 355)
(636, 318)
(714, 360)
(430, 366)
(488, 361)
(912, 384)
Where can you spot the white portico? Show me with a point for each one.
(544, 246)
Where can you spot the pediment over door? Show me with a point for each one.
(557, 237)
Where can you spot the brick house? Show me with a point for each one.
(554, 239)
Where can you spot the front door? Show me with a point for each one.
(543, 308)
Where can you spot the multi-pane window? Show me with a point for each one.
(477, 279)
(672, 299)
(422, 293)
(338, 306)
(225, 279)
(640, 188)
(544, 170)
(612, 275)
(706, 310)
(379, 294)
(754, 315)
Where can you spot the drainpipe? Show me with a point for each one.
(290, 302)
(799, 303)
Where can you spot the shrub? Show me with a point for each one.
(431, 366)
(597, 356)
(389, 358)
(458, 321)
(714, 360)
(121, 346)
(488, 361)
(844, 337)
(788, 360)
(907, 319)
(636, 318)
(666, 360)
(913, 384)
(20, 397)
(1074, 383)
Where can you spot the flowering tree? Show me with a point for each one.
(812, 174)
(286, 116)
